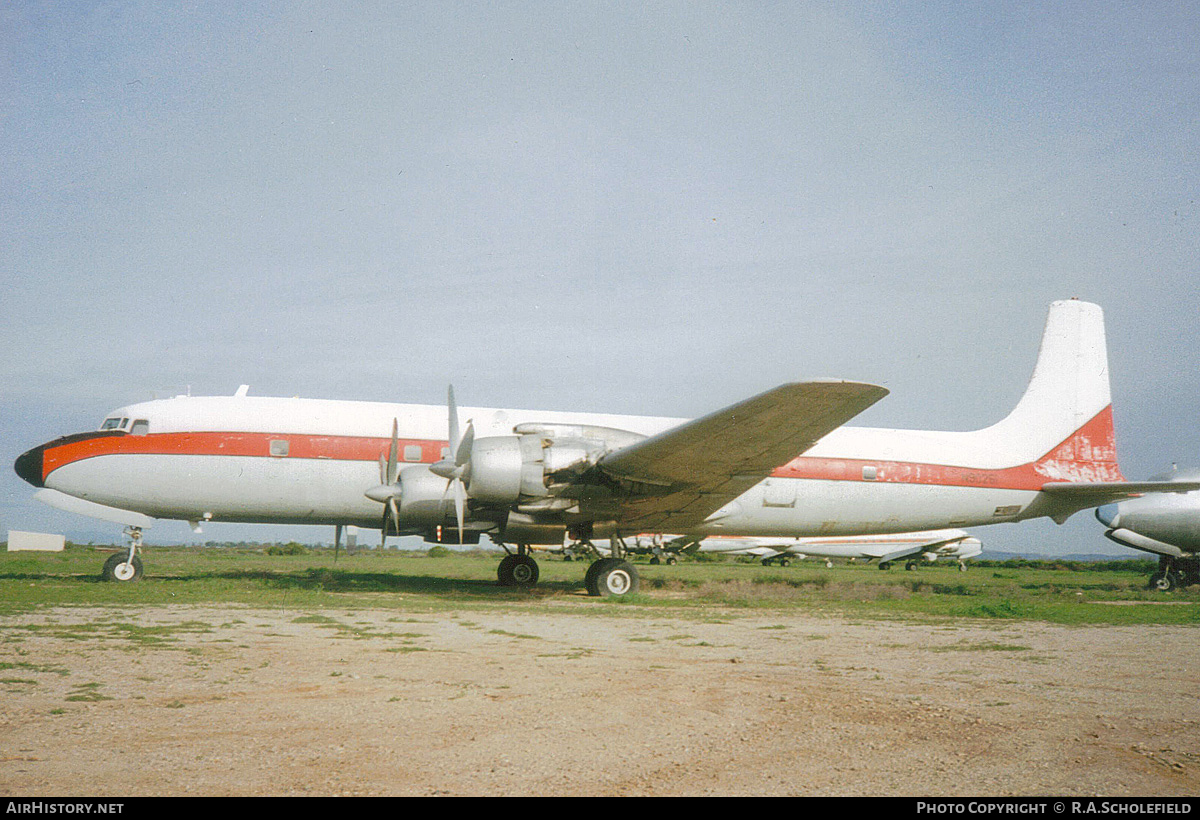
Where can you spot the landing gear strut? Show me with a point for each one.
(126, 567)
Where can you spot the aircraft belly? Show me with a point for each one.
(864, 508)
(230, 488)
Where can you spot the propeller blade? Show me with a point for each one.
(459, 507)
(463, 453)
(452, 407)
(394, 513)
(393, 453)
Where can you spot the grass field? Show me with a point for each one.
(1106, 594)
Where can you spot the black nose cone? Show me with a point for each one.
(29, 466)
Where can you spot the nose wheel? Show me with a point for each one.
(125, 566)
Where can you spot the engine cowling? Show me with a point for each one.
(509, 469)
(505, 468)
(423, 498)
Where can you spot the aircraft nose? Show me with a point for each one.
(1109, 515)
(29, 466)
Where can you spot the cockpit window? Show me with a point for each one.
(113, 424)
(140, 428)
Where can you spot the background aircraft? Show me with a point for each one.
(1167, 525)
(913, 547)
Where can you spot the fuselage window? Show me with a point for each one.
(140, 428)
(412, 452)
(279, 447)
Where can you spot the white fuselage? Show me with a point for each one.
(306, 461)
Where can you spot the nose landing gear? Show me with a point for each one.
(125, 567)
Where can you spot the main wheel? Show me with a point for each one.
(1165, 581)
(617, 578)
(517, 571)
(119, 568)
(589, 578)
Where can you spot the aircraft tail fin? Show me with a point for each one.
(1063, 423)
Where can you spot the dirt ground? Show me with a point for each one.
(187, 700)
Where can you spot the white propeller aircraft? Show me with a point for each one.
(778, 464)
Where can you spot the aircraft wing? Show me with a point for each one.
(676, 479)
(937, 540)
(1073, 496)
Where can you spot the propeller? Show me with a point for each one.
(388, 490)
(456, 470)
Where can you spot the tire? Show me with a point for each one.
(517, 571)
(885, 565)
(618, 578)
(1164, 581)
(589, 578)
(118, 569)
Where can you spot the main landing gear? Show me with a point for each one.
(606, 576)
(124, 566)
(518, 569)
(1173, 574)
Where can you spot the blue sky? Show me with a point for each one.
(631, 208)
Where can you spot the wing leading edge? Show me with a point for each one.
(679, 477)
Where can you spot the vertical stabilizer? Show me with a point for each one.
(1063, 423)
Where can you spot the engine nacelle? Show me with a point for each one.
(508, 469)
(525, 529)
(504, 468)
(423, 500)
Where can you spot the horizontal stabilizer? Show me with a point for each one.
(1108, 491)
(1070, 497)
(91, 509)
